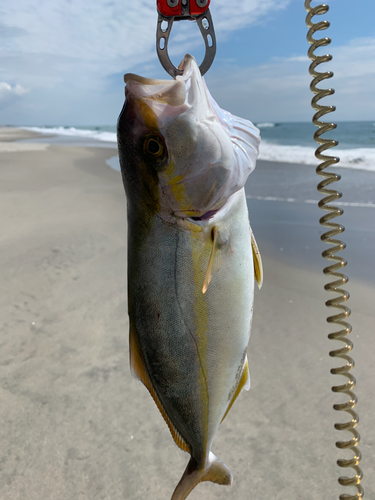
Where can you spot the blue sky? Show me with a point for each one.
(62, 62)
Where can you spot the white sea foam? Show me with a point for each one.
(360, 158)
(99, 135)
(266, 125)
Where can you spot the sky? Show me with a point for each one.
(62, 62)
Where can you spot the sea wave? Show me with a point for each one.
(359, 158)
(99, 135)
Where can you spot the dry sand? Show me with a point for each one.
(76, 426)
(10, 134)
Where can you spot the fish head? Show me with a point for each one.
(179, 149)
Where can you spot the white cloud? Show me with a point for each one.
(103, 36)
(89, 31)
(355, 60)
(236, 14)
(70, 49)
(6, 90)
(106, 31)
(69, 53)
(279, 90)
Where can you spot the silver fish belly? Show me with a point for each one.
(190, 277)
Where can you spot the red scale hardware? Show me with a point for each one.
(176, 8)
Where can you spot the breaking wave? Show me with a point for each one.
(266, 125)
(357, 158)
(99, 135)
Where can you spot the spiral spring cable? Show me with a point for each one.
(331, 253)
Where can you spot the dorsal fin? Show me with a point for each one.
(139, 371)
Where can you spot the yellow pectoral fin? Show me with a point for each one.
(219, 252)
(209, 272)
(258, 267)
(139, 371)
(244, 383)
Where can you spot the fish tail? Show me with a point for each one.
(214, 471)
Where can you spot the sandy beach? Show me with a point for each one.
(76, 426)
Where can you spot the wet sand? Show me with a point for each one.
(76, 426)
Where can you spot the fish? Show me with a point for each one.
(192, 257)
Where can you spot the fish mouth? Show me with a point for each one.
(187, 66)
(169, 92)
(174, 92)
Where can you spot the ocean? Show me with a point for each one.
(290, 142)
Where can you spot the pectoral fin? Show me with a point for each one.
(258, 267)
(218, 252)
(139, 371)
(209, 272)
(244, 383)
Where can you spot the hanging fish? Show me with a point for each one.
(191, 257)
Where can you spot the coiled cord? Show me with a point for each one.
(331, 253)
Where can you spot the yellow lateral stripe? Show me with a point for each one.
(201, 324)
(241, 384)
(140, 371)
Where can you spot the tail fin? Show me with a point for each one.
(214, 471)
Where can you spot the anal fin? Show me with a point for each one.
(139, 371)
(244, 383)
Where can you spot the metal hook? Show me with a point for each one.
(206, 28)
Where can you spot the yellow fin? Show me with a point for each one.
(209, 272)
(139, 371)
(244, 383)
(258, 267)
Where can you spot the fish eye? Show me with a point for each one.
(153, 146)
